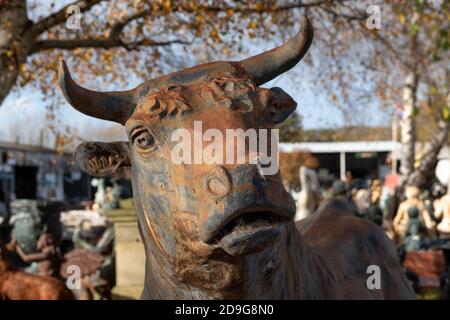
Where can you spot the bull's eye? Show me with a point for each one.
(143, 139)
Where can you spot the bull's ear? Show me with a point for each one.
(102, 159)
(284, 104)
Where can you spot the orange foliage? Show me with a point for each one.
(290, 164)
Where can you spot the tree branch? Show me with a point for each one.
(117, 28)
(105, 43)
(114, 40)
(390, 48)
(349, 17)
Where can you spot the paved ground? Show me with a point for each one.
(130, 256)
(127, 292)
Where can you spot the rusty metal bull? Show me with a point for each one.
(227, 231)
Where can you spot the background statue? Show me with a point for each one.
(442, 213)
(412, 217)
(95, 256)
(308, 198)
(46, 260)
(100, 195)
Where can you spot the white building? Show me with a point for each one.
(363, 159)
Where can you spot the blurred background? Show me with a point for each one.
(372, 123)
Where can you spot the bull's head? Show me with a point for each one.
(188, 212)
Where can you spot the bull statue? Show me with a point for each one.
(227, 231)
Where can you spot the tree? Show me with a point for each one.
(291, 129)
(406, 61)
(408, 126)
(290, 164)
(419, 43)
(120, 37)
(427, 51)
(424, 173)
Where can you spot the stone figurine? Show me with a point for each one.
(226, 231)
(100, 195)
(412, 218)
(308, 198)
(442, 213)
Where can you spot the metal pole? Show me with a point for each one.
(342, 165)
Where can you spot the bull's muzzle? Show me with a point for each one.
(246, 211)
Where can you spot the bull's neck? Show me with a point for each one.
(286, 270)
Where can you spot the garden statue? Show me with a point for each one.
(308, 198)
(412, 218)
(46, 260)
(26, 224)
(94, 254)
(100, 195)
(442, 213)
(112, 196)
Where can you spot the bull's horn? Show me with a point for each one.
(113, 106)
(270, 64)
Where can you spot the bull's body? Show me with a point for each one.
(327, 259)
(225, 230)
(348, 246)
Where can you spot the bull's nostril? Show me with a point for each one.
(216, 187)
(218, 182)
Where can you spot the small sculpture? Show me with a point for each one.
(100, 195)
(95, 256)
(442, 213)
(308, 198)
(412, 218)
(46, 260)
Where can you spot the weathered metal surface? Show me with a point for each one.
(227, 231)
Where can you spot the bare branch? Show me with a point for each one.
(104, 43)
(114, 40)
(358, 17)
(151, 43)
(117, 28)
(389, 47)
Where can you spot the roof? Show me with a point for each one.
(354, 147)
(341, 146)
(313, 147)
(24, 147)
